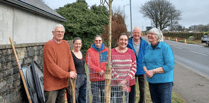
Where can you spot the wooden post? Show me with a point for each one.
(73, 85)
(20, 71)
(108, 69)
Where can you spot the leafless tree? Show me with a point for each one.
(177, 27)
(161, 12)
(199, 28)
(117, 10)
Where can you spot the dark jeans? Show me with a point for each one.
(132, 94)
(56, 96)
(97, 89)
(80, 89)
(142, 87)
(161, 92)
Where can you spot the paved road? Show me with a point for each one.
(191, 72)
(194, 57)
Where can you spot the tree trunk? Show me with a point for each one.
(108, 69)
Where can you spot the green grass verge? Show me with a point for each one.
(188, 41)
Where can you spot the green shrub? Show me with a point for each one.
(197, 36)
(191, 38)
(83, 22)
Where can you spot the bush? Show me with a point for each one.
(197, 36)
(191, 38)
(118, 27)
(82, 22)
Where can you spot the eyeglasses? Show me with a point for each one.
(98, 40)
(60, 32)
(136, 32)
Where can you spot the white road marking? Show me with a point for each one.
(196, 45)
(198, 53)
(177, 47)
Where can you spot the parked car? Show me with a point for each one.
(205, 39)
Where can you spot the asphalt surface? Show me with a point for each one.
(196, 57)
(192, 87)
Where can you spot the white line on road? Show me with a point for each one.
(196, 45)
(177, 47)
(198, 53)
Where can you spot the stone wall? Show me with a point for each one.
(11, 87)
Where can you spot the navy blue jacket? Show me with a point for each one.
(143, 46)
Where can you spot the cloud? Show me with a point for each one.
(194, 12)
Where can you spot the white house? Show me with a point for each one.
(27, 21)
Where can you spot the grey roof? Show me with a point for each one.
(37, 7)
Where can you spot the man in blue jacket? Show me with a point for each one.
(138, 45)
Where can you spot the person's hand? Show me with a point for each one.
(73, 74)
(149, 73)
(101, 73)
(126, 88)
(123, 82)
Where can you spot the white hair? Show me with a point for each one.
(59, 25)
(158, 33)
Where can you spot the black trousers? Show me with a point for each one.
(142, 87)
(132, 94)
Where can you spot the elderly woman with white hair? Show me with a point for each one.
(158, 64)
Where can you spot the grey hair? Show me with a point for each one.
(59, 25)
(76, 38)
(97, 36)
(158, 33)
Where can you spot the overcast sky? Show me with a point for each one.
(194, 12)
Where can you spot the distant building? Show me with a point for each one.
(148, 28)
(27, 21)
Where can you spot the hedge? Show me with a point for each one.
(197, 36)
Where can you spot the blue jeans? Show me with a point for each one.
(80, 89)
(97, 89)
(161, 92)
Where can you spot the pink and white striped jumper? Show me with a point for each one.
(123, 67)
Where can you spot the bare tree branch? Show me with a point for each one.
(104, 14)
(161, 12)
(107, 2)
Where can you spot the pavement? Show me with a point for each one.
(190, 86)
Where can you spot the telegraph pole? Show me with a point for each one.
(130, 18)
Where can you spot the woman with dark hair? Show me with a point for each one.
(79, 61)
(123, 68)
(158, 64)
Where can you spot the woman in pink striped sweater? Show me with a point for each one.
(123, 68)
